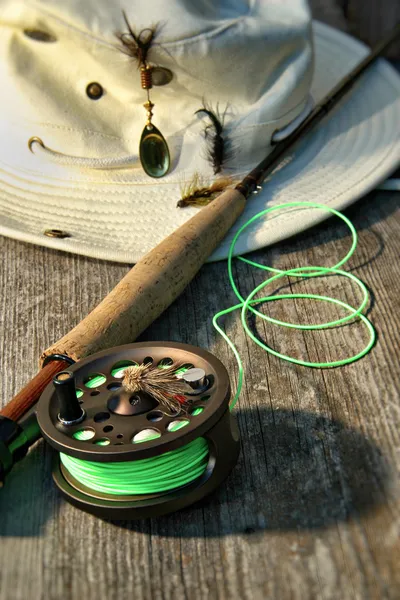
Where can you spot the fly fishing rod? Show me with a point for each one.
(83, 400)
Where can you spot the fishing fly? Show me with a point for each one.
(198, 192)
(218, 147)
(161, 383)
(137, 45)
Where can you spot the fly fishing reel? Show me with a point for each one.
(142, 429)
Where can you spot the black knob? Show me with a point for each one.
(70, 411)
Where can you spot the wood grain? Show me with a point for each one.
(311, 510)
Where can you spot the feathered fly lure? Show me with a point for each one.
(161, 384)
(198, 193)
(217, 144)
(137, 45)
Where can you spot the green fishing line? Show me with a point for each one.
(246, 305)
(153, 475)
(179, 467)
(95, 381)
(120, 368)
(84, 435)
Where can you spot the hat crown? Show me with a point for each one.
(230, 50)
(253, 60)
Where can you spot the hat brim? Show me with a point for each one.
(348, 154)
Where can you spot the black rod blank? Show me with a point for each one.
(270, 162)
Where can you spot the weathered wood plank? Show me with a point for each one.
(311, 510)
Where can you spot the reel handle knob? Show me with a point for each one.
(196, 380)
(71, 411)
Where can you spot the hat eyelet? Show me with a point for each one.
(94, 90)
(39, 35)
(56, 233)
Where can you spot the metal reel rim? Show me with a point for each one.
(59, 439)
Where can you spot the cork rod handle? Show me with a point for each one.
(154, 282)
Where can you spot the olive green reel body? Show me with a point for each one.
(112, 426)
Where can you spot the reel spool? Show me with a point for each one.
(115, 427)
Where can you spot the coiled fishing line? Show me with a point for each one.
(175, 469)
(246, 304)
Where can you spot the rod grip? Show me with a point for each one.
(154, 282)
(27, 397)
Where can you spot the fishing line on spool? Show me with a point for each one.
(161, 473)
(180, 467)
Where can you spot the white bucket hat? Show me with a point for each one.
(262, 62)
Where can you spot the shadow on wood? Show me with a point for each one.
(21, 512)
(297, 471)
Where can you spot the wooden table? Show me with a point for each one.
(312, 508)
